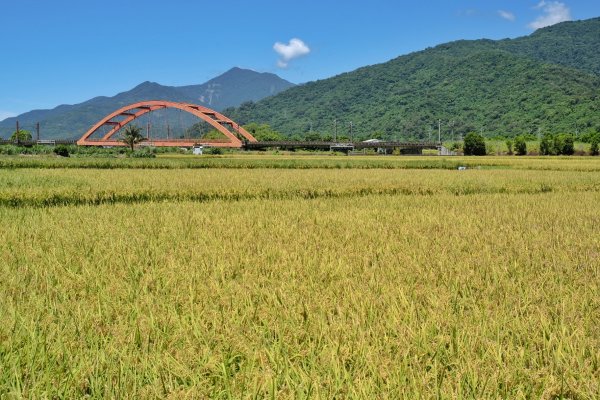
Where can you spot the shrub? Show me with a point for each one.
(263, 133)
(26, 150)
(312, 137)
(594, 143)
(61, 150)
(509, 146)
(9, 150)
(564, 144)
(144, 153)
(474, 145)
(214, 150)
(520, 146)
(455, 146)
(547, 145)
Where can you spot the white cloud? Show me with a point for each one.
(507, 15)
(287, 52)
(6, 114)
(553, 12)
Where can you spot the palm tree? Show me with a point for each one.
(21, 136)
(132, 135)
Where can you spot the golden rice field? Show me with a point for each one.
(300, 277)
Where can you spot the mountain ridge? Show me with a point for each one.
(228, 89)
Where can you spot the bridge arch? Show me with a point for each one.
(133, 111)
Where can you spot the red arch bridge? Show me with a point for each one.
(104, 133)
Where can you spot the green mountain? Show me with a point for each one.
(227, 90)
(545, 82)
(572, 44)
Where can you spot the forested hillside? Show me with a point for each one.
(573, 44)
(498, 88)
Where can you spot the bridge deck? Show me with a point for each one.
(329, 145)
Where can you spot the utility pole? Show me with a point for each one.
(351, 137)
(148, 131)
(168, 131)
(439, 131)
(37, 131)
(335, 130)
(17, 129)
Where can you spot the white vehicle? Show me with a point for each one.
(197, 150)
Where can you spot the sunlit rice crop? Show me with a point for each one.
(285, 283)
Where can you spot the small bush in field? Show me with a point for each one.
(61, 150)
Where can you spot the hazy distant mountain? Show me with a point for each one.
(548, 81)
(227, 90)
(235, 87)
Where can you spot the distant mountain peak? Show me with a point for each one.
(245, 73)
(230, 89)
(216, 93)
(236, 73)
(147, 84)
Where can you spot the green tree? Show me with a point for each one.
(61, 150)
(21, 135)
(565, 144)
(313, 137)
(509, 145)
(474, 145)
(214, 151)
(594, 144)
(132, 135)
(547, 145)
(214, 134)
(263, 132)
(520, 146)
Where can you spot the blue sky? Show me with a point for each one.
(65, 52)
